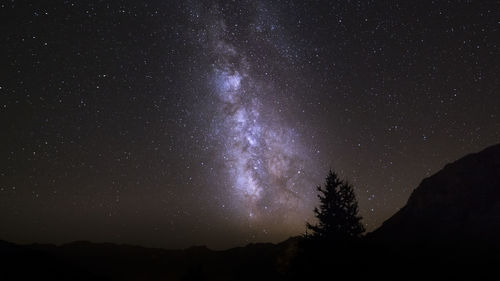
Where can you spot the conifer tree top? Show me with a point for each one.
(337, 212)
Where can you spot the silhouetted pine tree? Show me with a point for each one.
(337, 214)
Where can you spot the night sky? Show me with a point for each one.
(172, 124)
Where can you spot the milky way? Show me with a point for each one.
(262, 156)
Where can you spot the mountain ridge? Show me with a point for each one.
(462, 201)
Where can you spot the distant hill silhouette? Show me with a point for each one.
(105, 261)
(460, 203)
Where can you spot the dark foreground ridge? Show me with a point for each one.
(449, 229)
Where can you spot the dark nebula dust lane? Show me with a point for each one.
(179, 123)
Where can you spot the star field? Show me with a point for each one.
(175, 123)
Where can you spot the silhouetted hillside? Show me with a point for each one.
(459, 203)
(34, 263)
(105, 261)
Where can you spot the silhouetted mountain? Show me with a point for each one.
(106, 261)
(460, 203)
(33, 263)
